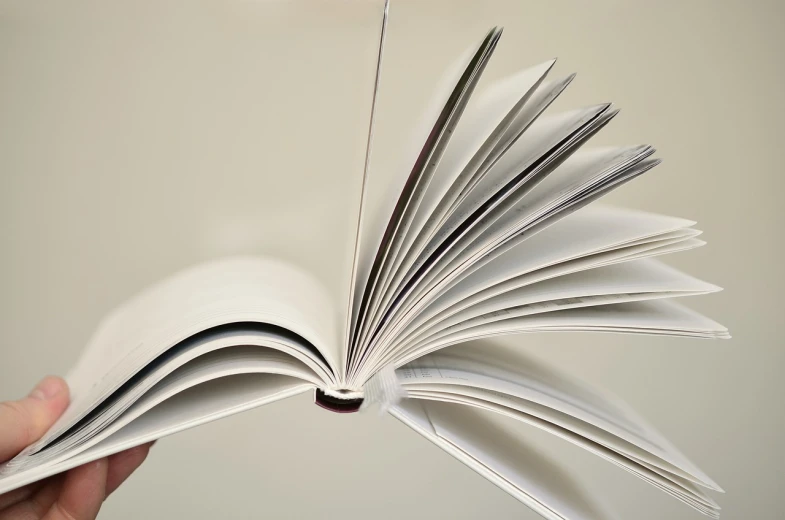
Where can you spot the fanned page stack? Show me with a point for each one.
(493, 233)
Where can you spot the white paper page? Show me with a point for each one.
(569, 247)
(590, 230)
(536, 106)
(482, 126)
(680, 488)
(427, 325)
(417, 182)
(575, 175)
(638, 277)
(504, 110)
(656, 317)
(268, 345)
(519, 410)
(484, 444)
(471, 175)
(649, 317)
(375, 214)
(502, 369)
(362, 255)
(224, 339)
(544, 135)
(565, 426)
(665, 247)
(548, 142)
(438, 279)
(581, 170)
(487, 256)
(540, 139)
(232, 290)
(451, 303)
(580, 174)
(227, 362)
(423, 344)
(198, 405)
(555, 137)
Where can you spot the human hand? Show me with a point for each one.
(74, 495)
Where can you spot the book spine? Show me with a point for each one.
(335, 404)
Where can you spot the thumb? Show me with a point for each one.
(24, 421)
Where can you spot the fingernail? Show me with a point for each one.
(47, 388)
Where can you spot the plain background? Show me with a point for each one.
(137, 138)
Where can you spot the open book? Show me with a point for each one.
(492, 233)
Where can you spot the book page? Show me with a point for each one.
(542, 223)
(417, 182)
(507, 107)
(432, 322)
(628, 457)
(438, 277)
(581, 201)
(476, 144)
(234, 290)
(642, 279)
(516, 171)
(376, 204)
(473, 173)
(655, 317)
(362, 257)
(453, 301)
(111, 416)
(539, 101)
(586, 233)
(487, 447)
(263, 349)
(198, 405)
(507, 371)
(548, 142)
(576, 175)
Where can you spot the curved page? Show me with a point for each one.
(233, 290)
(198, 405)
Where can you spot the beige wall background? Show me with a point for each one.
(140, 137)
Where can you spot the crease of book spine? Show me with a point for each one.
(383, 389)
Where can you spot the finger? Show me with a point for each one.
(37, 504)
(122, 464)
(26, 420)
(19, 494)
(32, 501)
(82, 494)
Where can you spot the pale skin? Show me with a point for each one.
(74, 495)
